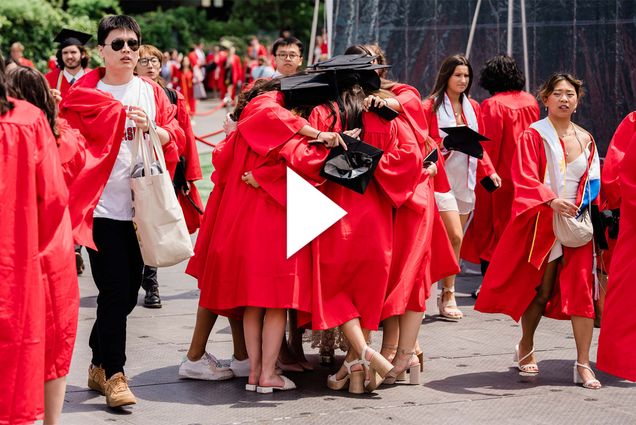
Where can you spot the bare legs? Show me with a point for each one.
(264, 330)
(53, 400)
(454, 224)
(583, 329)
(203, 328)
(390, 337)
(534, 312)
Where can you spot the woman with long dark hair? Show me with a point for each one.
(533, 273)
(240, 259)
(418, 231)
(40, 295)
(353, 255)
(449, 106)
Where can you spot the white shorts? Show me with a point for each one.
(446, 201)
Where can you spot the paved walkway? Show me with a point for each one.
(468, 377)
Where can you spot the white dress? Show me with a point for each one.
(573, 173)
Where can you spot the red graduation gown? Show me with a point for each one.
(352, 257)
(39, 296)
(101, 120)
(409, 277)
(520, 258)
(618, 329)
(188, 148)
(240, 256)
(505, 116)
(53, 77)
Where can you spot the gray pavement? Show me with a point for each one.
(468, 374)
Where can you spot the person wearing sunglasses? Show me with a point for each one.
(108, 105)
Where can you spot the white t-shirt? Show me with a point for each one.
(116, 200)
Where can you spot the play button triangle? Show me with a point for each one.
(309, 212)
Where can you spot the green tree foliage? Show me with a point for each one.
(35, 22)
(273, 15)
(93, 9)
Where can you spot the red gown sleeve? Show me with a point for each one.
(492, 116)
(189, 148)
(165, 118)
(485, 167)
(528, 171)
(611, 167)
(307, 159)
(266, 124)
(400, 167)
(72, 150)
(101, 120)
(272, 177)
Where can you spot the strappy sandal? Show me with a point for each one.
(530, 369)
(448, 309)
(355, 379)
(398, 373)
(378, 367)
(590, 384)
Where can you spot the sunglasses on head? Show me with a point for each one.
(118, 44)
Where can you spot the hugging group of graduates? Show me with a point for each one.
(409, 173)
(440, 162)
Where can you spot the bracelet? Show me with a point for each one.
(386, 103)
(318, 135)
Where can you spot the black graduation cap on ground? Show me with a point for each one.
(306, 89)
(68, 37)
(464, 139)
(354, 167)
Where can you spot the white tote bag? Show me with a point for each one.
(157, 216)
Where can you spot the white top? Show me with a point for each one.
(573, 173)
(69, 77)
(116, 200)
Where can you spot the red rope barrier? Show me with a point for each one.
(205, 136)
(210, 112)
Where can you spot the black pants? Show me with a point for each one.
(149, 278)
(117, 271)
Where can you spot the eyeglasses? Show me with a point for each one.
(148, 61)
(291, 56)
(118, 44)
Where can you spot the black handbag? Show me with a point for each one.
(354, 167)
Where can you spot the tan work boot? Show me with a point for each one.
(117, 391)
(96, 378)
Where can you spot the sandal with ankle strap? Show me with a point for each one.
(354, 378)
(525, 369)
(377, 366)
(445, 307)
(590, 384)
(399, 374)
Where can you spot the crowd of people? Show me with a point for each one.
(530, 204)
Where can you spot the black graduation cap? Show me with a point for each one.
(68, 37)
(464, 139)
(306, 89)
(432, 157)
(354, 167)
(352, 69)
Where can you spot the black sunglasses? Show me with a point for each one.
(118, 44)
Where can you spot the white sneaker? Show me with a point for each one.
(240, 368)
(206, 368)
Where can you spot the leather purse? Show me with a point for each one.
(574, 232)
